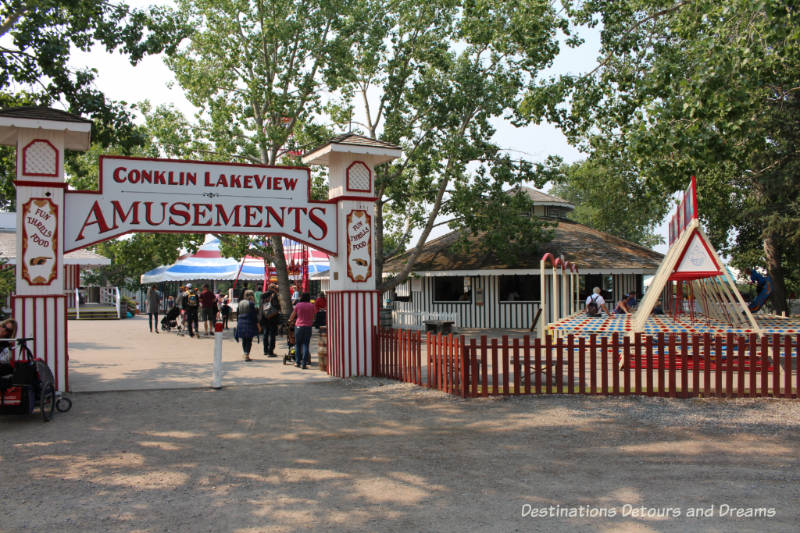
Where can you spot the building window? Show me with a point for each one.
(519, 288)
(556, 212)
(451, 289)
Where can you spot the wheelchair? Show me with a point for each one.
(26, 383)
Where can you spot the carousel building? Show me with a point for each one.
(475, 289)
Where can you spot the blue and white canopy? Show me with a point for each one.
(208, 264)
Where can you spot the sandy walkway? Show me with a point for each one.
(372, 455)
(124, 355)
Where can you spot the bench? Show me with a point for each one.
(439, 326)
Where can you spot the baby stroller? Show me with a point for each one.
(170, 320)
(28, 383)
(290, 353)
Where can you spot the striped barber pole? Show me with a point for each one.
(352, 315)
(44, 317)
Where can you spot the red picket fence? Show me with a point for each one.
(397, 354)
(675, 366)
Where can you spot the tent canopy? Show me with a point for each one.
(208, 263)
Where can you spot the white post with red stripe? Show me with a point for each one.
(40, 306)
(353, 298)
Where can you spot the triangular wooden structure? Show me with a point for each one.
(691, 257)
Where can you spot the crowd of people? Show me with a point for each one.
(257, 314)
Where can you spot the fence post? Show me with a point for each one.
(604, 365)
(515, 354)
(463, 355)
(473, 367)
(376, 353)
(626, 364)
(581, 365)
(649, 354)
(695, 364)
(593, 363)
(526, 358)
(776, 366)
(730, 356)
(570, 356)
(684, 365)
(615, 363)
(660, 391)
(505, 365)
(548, 361)
(537, 356)
(484, 367)
(418, 340)
(741, 370)
(637, 356)
(764, 366)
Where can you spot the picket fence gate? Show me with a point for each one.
(671, 365)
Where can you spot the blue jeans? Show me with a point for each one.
(302, 339)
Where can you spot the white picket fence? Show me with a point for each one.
(416, 319)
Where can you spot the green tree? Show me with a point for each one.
(607, 198)
(257, 71)
(7, 279)
(442, 72)
(34, 62)
(699, 88)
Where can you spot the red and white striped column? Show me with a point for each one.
(353, 298)
(351, 317)
(39, 306)
(45, 319)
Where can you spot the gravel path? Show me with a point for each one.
(373, 455)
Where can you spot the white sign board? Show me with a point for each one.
(172, 196)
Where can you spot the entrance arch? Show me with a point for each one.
(164, 195)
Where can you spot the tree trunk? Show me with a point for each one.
(773, 253)
(283, 274)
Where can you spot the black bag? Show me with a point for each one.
(268, 310)
(592, 309)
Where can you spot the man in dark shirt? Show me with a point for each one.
(190, 307)
(208, 309)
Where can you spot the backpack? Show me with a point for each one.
(591, 308)
(191, 299)
(269, 311)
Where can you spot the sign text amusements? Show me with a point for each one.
(160, 195)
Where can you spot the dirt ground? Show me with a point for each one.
(372, 455)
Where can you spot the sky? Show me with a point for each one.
(153, 81)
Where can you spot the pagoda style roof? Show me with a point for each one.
(42, 113)
(75, 128)
(380, 151)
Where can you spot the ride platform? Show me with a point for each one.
(580, 324)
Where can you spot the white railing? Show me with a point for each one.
(107, 295)
(119, 303)
(416, 319)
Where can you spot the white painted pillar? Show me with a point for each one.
(353, 298)
(40, 305)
